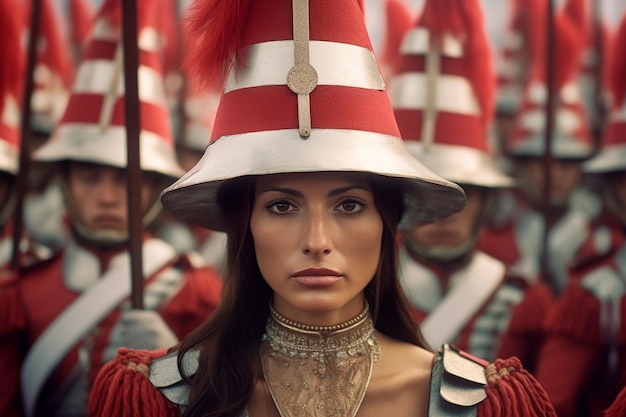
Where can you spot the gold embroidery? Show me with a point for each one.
(319, 373)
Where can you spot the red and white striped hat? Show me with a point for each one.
(93, 126)
(443, 93)
(612, 154)
(571, 137)
(304, 94)
(12, 57)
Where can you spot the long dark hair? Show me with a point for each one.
(229, 340)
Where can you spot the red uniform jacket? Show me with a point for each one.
(583, 362)
(30, 303)
(509, 308)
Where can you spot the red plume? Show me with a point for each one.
(82, 18)
(617, 70)
(56, 54)
(464, 19)
(11, 54)
(213, 31)
(569, 42)
(399, 21)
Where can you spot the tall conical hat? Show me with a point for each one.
(304, 94)
(571, 138)
(443, 93)
(93, 126)
(612, 154)
(12, 57)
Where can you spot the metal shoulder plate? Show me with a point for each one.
(166, 377)
(457, 384)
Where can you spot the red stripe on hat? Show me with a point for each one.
(450, 128)
(332, 107)
(86, 108)
(105, 50)
(449, 66)
(10, 135)
(272, 21)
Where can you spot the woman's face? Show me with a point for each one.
(317, 238)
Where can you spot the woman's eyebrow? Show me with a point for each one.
(347, 188)
(331, 193)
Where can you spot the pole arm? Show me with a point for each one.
(132, 118)
(21, 181)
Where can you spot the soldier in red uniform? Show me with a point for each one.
(515, 233)
(72, 311)
(308, 175)
(583, 363)
(460, 294)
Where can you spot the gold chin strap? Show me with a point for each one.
(302, 77)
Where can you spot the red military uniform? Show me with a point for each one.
(515, 236)
(181, 293)
(477, 306)
(583, 361)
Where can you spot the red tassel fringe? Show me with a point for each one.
(122, 388)
(618, 408)
(513, 392)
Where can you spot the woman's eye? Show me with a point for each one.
(351, 206)
(280, 207)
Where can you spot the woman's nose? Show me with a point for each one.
(317, 234)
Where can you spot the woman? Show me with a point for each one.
(308, 177)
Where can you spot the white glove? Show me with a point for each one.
(140, 329)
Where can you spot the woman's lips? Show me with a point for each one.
(317, 276)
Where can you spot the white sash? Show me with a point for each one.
(476, 283)
(91, 307)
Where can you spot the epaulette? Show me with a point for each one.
(166, 377)
(457, 384)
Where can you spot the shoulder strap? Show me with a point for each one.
(478, 282)
(166, 377)
(457, 384)
(80, 316)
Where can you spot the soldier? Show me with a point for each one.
(72, 310)
(583, 362)
(515, 234)
(460, 294)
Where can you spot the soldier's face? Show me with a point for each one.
(451, 231)
(98, 194)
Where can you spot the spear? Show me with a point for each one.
(132, 120)
(549, 115)
(21, 180)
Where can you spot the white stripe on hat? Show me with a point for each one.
(268, 63)
(417, 42)
(454, 93)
